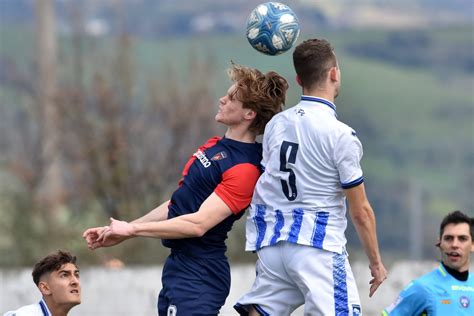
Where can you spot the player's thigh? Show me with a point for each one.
(273, 292)
(324, 278)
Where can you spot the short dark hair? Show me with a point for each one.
(52, 263)
(312, 59)
(456, 217)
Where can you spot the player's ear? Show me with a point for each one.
(298, 80)
(438, 243)
(250, 114)
(44, 288)
(333, 73)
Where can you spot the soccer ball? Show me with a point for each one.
(272, 28)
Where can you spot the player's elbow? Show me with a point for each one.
(198, 230)
(362, 215)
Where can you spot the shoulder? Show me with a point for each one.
(418, 287)
(29, 310)
(412, 300)
(239, 152)
(344, 129)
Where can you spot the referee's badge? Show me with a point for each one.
(464, 301)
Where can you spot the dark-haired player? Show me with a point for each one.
(449, 289)
(57, 278)
(297, 219)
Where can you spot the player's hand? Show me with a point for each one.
(116, 230)
(379, 274)
(91, 236)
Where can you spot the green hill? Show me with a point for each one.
(414, 119)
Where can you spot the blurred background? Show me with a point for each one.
(103, 101)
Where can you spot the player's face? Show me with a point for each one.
(231, 111)
(456, 246)
(63, 287)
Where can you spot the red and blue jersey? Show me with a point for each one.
(230, 169)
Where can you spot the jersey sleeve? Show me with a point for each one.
(413, 300)
(236, 187)
(347, 155)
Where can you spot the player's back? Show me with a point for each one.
(309, 158)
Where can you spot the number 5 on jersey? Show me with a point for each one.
(289, 185)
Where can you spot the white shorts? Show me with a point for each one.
(290, 275)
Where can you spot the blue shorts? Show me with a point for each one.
(193, 286)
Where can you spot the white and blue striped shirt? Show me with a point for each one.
(38, 309)
(309, 158)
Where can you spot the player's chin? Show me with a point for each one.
(74, 298)
(218, 118)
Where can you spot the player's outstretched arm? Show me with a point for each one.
(92, 235)
(213, 211)
(159, 213)
(363, 218)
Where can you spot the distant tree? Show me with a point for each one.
(51, 183)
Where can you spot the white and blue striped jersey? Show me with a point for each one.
(309, 157)
(38, 309)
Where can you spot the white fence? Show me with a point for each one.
(133, 291)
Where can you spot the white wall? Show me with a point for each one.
(133, 291)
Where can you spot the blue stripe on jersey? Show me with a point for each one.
(259, 220)
(319, 231)
(280, 222)
(315, 99)
(352, 184)
(44, 309)
(340, 285)
(260, 310)
(296, 226)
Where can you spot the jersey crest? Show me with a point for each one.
(464, 301)
(219, 156)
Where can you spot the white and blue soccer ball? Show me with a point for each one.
(272, 28)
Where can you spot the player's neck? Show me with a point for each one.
(320, 93)
(58, 309)
(460, 276)
(240, 135)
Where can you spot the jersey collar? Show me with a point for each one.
(320, 100)
(44, 308)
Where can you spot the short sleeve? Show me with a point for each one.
(411, 301)
(347, 155)
(237, 185)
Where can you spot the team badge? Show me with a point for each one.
(219, 156)
(300, 112)
(172, 310)
(464, 301)
(356, 311)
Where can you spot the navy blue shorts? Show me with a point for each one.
(193, 286)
